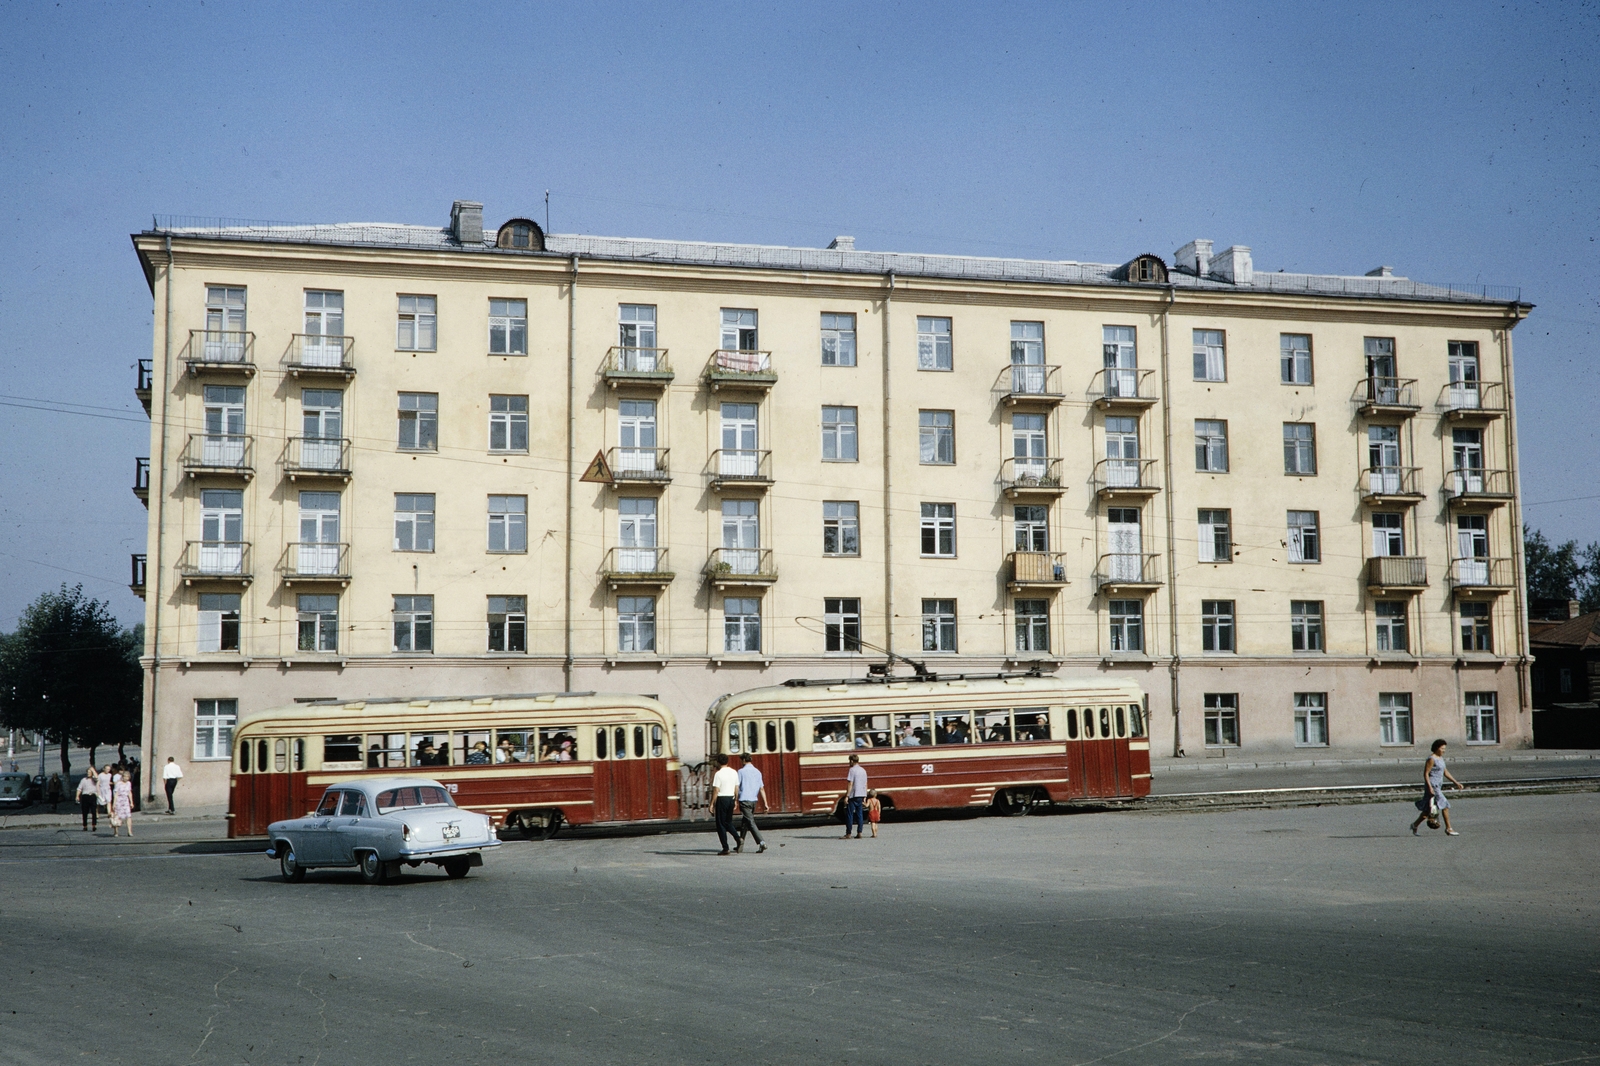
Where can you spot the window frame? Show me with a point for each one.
(513, 327)
(841, 625)
(505, 419)
(1031, 626)
(1300, 450)
(1127, 627)
(1305, 711)
(1290, 361)
(411, 614)
(415, 523)
(223, 626)
(940, 624)
(513, 617)
(324, 624)
(1219, 624)
(1392, 715)
(936, 525)
(1220, 709)
(420, 420)
(1482, 707)
(1208, 445)
(1476, 629)
(218, 725)
(1302, 534)
(844, 340)
(416, 317)
(842, 436)
(842, 524)
(929, 343)
(1387, 622)
(931, 432)
(1306, 627)
(508, 524)
(741, 622)
(641, 615)
(1214, 534)
(1203, 351)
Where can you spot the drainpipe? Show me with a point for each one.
(888, 479)
(1175, 662)
(572, 416)
(150, 756)
(1517, 560)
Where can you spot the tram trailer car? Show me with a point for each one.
(530, 762)
(1010, 742)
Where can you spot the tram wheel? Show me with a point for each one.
(1014, 803)
(551, 826)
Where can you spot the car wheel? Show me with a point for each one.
(374, 871)
(290, 866)
(457, 868)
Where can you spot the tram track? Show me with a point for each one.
(1336, 795)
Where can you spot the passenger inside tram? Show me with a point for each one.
(558, 744)
(994, 727)
(479, 755)
(953, 729)
(912, 730)
(1033, 723)
(830, 733)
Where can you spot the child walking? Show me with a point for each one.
(874, 811)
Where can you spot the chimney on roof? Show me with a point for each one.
(466, 222)
(1381, 272)
(1193, 258)
(843, 244)
(1233, 264)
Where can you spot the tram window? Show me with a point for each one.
(1088, 723)
(430, 749)
(1136, 713)
(735, 738)
(1033, 723)
(830, 733)
(385, 750)
(472, 748)
(752, 743)
(261, 756)
(280, 755)
(559, 743)
(244, 757)
(1072, 723)
(330, 804)
(954, 728)
(656, 745)
(772, 736)
(355, 805)
(342, 749)
(299, 754)
(600, 743)
(788, 735)
(1105, 721)
(619, 746)
(1122, 721)
(993, 727)
(872, 731)
(912, 730)
(638, 742)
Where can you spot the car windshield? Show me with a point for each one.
(399, 799)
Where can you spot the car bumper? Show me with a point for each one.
(444, 851)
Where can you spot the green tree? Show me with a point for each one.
(1562, 571)
(68, 671)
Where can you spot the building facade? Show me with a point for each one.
(391, 460)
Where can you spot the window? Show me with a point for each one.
(222, 518)
(740, 458)
(1294, 358)
(636, 623)
(321, 424)
(938, 625)
(213, 728)
(1388, 534)
(1483, 724)
(738, 330)
(1033, 528)
(1383, 383)
(636, 534)
(515, 235)
(841, 528)
(508, 623)
(508, 423)
(1028, 448)
(419, 421)
(839, 434)
(1464, 381)
(413, 522)
(224, 440)
(219, 622)
(508, 523)
(1216, 539)
(1476, 635)
(1120, 357)
(413, 623)
(1391, 615)
(1033, 626)
(417, 330)
(1299, 448)
(841, 624)
(741, 624)
(1027, 344)
(741, 535)
(939, 530)
(1394, 718)
(1564, 680)
(319, 623)
(1216, 625)
(1127, 625)
(1210, 360)
(1310, 719)
(937, 437)
(318, 548)
(838, 340)
(1466, 447)
(1305, 625)
(933, 344)
(1122, 452)
(224, 323)
(1211, 446)
(636, 336)
(508, 327)
(1305, 542)
(1222, 719)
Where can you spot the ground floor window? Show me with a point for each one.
(741, 624)
(1222, 719)
(636, 623)
(1483, 723)
(1394, 718)
(1311, 719)
(319, 623)
(1033, 625)
(213, 728)
(1127, 625)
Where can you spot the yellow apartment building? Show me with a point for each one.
(392, 460)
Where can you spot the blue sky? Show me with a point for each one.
(1455, 142)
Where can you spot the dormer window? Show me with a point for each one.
(522, 234)
(1146, 269)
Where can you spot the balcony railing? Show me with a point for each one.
(1133, 477)
(141, 478)
(1394, 395)
(637, 366)
(314, 561)
(1466, 399)
(219, 453)
(1128, 570)
(1030, 383)
(222, 560)
(637, 566)
(1123, 387)
(143, 381)
(1391, 483)
(635, 465)
(314, 353)
(740, 369)
(741, 466)
(1020, 475)
(1482, 574)
(221, 350)
(1397, 572)
(741, 566)
(137, 578)
(1475, 483)
(1037, 569)
(317, 457)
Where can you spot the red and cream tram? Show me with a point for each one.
(528, 762)
(959, 742)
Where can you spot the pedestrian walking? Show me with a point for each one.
(724, 792)
(1433, 802)
(122, 803)
(89, 799)
(752, 792)
(53, 791)
(874, 811)
(103, 790)
(855, 797)
(171, 774)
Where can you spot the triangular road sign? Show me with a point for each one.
(598, 470)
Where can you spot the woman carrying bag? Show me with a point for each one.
(1433, 805)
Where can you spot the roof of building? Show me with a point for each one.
(1581, 632)
(827, 260)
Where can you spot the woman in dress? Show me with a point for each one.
(122, 804)
(1433, 774)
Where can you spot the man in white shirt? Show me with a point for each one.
(752, 790)
(89, 799)
(724, 793)
(171, 774)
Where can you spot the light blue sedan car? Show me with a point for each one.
(378, 824)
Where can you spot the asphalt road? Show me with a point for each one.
(1313, 936)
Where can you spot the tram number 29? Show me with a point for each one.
(927, 767)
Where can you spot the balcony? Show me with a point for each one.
(1125, 478)
(136, 582)
(143, 379)
(221, 351)
(317, 457)
(637, 567)
(222, 561)
(1128, 572)
(639, 466)
(141, 479)
(740, 370)
(1464, 401)
(1385, 485)
(219, 454)
(308, 563)
(1036, 570)
(740, 468)
(1387, 396)
(1481, 577)
(741, 567)
(1123, 389)
(315, 355)
(1390, 574)
(1030, 384)
(1478, 487)
(1029, 476)
(643, 367)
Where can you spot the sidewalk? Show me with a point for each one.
(39, 816)
(1171, 776)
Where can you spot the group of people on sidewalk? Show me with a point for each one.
(108, 792)
(744, 790)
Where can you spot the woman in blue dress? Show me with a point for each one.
(1433, 774)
